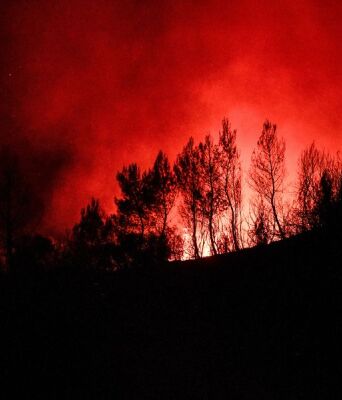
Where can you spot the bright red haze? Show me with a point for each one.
(112, 82)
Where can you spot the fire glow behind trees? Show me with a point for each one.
(93, 86)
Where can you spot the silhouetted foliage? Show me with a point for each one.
(328, 209)
(205, 183)
(63, 313)
(254, 314)
(188, 174)
(134, 206)
(231, 185)
(260, 226)
(210, 183)
(89, 230)
(163, 187)
(318, 185)
(93, 241)
(209, 180)
(325, 202)
(33, 253)
(175, 244)
(266, 175)
(143, 210)
(170, 332)
(310, 171)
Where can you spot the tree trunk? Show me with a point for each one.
(194, 234)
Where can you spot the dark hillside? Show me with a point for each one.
(264, 323)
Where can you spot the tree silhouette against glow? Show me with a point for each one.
(187, 171)
(267, 172)
(164, 188)
(231, 177)
(211, 199)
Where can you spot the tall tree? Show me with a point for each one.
(210, 173)
(267, 173)
(310, 171)
(164, 187)
(231, 177)
(143, 210)
(187, 172)
(315, 167)
(135, 204)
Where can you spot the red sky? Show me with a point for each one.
(111, 82)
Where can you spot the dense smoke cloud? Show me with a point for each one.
(95, 85)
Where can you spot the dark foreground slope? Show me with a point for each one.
(265, 323)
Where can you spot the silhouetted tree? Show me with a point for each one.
(137, 197)
(267, 173)
(328, 210)
(317, 170)
(310, 170)
(142, 211)
(211, 198)
(163, 185)
(187, 172)
(175, 243)
(260, 226)
(90, 230)
(325, 206)
(94, 239)
(231, 182)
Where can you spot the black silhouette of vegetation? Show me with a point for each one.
(204, 188)
(126, 306)
(267, 179)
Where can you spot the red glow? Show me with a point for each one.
(114, 82)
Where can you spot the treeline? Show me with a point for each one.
(189, 209)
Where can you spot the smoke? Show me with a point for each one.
(34, 168)
(95, 85)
